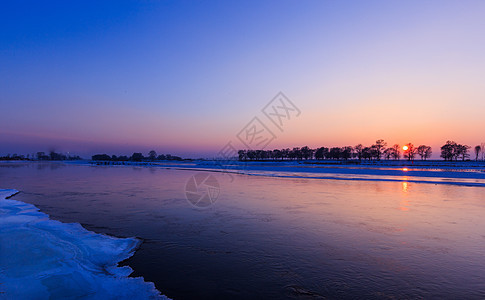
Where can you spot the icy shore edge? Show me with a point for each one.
(46, 259)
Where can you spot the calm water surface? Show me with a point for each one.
(274, 237)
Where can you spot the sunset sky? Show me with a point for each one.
(184, 77)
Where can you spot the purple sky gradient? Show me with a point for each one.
(186, 77)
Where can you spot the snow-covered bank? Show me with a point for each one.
(45, 259)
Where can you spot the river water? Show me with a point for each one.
(267, 237)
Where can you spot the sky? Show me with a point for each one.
(185, 77)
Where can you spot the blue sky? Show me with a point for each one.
(185, 76)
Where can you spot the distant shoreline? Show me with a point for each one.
(235, 162)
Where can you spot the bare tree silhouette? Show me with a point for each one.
(448, 150)
(379, 147)
(388, 153)
(358, 150)
(321, 153)
(152, 155)
(424, 151)
(410, 152)
(396, 151)
(463, 151)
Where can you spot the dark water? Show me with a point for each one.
(275, 237)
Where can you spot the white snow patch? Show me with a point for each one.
(46, 259)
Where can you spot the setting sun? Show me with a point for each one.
(405, 148)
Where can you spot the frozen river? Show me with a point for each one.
(274, 237)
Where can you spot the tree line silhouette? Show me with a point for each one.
(449, 152)
(453, 151)
(136, 156)
(52, 155)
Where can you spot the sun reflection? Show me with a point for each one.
(404, 204)
(405, 187)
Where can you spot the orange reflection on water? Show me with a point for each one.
(405, 187)
(404, 203)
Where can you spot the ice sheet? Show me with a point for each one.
(42, 258)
